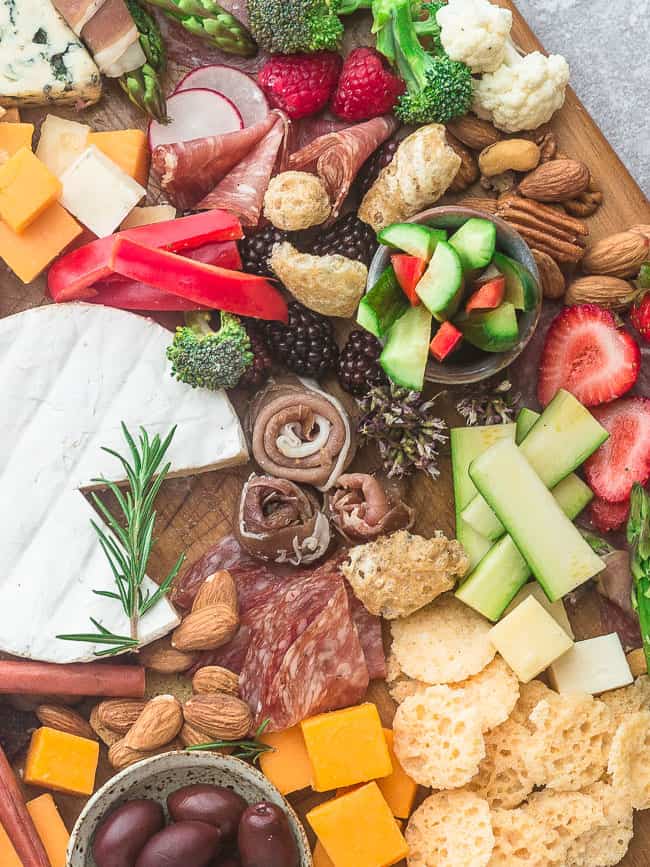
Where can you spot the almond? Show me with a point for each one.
(468, 172)
(610, 292)
(65, 720)
(158, 724)
(619, 255)
(220, 715)
(190, 736)
(214, 678)
(516, 154)
(121, 756)
(206, 629)
(105, 734)
(474, 132)
(551, 278)
(119, 714)
(160, 656)
(641, 229)
(217, 589)
(556, 181)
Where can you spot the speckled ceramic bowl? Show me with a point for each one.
(473, 365)
(158, 777)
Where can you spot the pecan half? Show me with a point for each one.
(468, 172)
(587, 203)
(545, 228)
(479, 203)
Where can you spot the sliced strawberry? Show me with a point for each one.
(587, 354)
(446, 339)
(607, 517)
(625, 457)
(488, 296)
(409, 271)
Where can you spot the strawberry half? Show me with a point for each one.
(607, 517)
(588, 354)
(625, 457)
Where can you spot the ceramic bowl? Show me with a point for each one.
(473, 365)
(158, 777)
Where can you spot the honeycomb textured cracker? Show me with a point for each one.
(450, 829)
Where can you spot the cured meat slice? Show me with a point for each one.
(369, 630)
(324, 669)
(307, 129)
(242, 190)
(362, 510)
(338, 156)
(78, 13)
(189, 170)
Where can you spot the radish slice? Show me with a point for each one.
(194, 114)
(234, 85)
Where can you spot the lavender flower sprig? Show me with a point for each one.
(489, 404)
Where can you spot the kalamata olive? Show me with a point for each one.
(265, 838)
(121, 836)
(184, 844)
(228, 861)
(215, 805)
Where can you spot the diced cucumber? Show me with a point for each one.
(413, 238)
(405, 355)
(382, 305)
(493, 330)
(557, 554)
(560, 441)
(441, 286)
(526, 418)
(502, 572)
(467, 443)
(521, 287)
(475, 243)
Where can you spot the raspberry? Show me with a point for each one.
(300, 84)
(640, 316)
(366, 88)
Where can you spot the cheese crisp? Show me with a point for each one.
(519, 840)
(566, 816)
(629, 758)
(628, 699)
(607, 844)
(450, 829)
(510, 770)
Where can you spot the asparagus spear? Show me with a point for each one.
(207, 19)
(142, 85)
(638, 536)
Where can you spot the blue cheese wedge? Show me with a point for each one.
(41, 59)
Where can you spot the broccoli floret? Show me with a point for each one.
(210, 359)
(438, 88)
(291, 26)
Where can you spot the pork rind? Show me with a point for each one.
(628, 699)
(398, 574)
(450, 829)
(566, 816)
(296, 200)
(438, 738)
(446, 642)
(519, 840)
(573, 735)
(606, 845)
(629, 759)
(510, 770)
(331, 285)
(530, 694)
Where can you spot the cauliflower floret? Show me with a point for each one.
(475, 32)
(524, 92)
(296, 200)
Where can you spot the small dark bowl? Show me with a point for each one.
(469, 364)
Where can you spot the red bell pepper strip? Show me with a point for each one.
(409, 271)
(133, 295)
(445, 340)
(225, 254)
(206, 285)
(488, 296)
(72, 276)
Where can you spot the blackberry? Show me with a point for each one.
(373, 166)
(306, 345)
(256, 250)
(358, 368)
(348, 236)
(260, 370)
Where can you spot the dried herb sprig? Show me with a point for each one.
(248, 750)
(489, 404)
(127, 543)
(405, 429)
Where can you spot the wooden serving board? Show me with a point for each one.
(195, 513)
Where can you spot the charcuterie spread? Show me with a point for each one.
(326, 439)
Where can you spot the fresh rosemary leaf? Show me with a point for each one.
(249, 750)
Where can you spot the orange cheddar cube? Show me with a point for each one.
(49, 825)
(346, 747)
(398, 788)
(128, 149)
(358, 830)
(63, 762)
(30, 252)
(13, 137)
(27, 189)
(288, 766)
(8, 855)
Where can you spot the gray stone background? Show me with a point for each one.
(607, 44)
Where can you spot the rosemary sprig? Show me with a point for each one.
(127, 543)
(248, 750)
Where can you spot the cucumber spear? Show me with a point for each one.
(208, 20)
(142, 85)
(638, 536)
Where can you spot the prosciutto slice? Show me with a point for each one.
(361, 509)
(338, 156)
(189, 170)
(108, 29)
(78, 13)
(242, 190)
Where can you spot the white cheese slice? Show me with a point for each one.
(529, 639)
(98, 192)
(147, 216)
(69, 374)
(555, 609)
(592, 666)
(41, 59)
(61, 143)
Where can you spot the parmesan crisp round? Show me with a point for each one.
(629, 759)
(606, 845)
(530, 694)
(446, 642)
(493, 691)
(438, 738)
(510, 770)
(566, 816)
(628, 699)
(519, 840)
(450, 829)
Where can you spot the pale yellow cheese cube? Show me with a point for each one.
(555, 609)
(61, 142)
(147, 216)
(529, 639)
(592, 666)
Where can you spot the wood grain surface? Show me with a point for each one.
(195, 512)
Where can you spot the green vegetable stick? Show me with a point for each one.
(638, 536)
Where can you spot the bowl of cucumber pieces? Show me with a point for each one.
(453, 295)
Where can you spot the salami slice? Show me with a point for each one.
(369, 629)
(338, 156)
